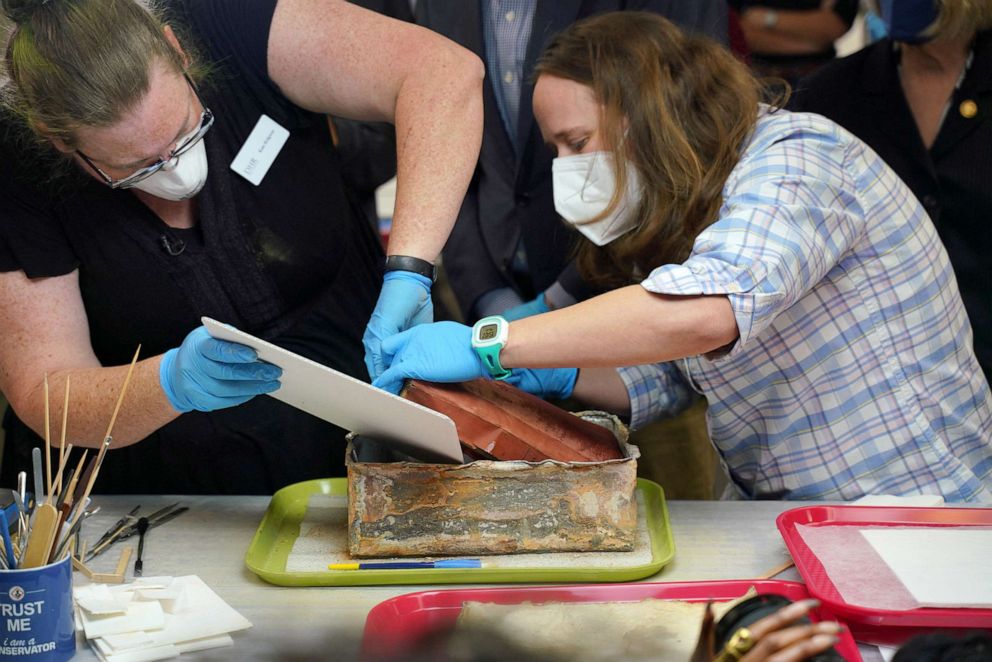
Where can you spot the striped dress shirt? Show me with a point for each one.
(506, 30)
(854, 371)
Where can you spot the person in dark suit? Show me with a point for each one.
(922, 99)
(508, 245)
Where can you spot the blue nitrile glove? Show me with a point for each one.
(440, 352)
(205, 373)
(535, 306)
(405, 301)
(555, 383)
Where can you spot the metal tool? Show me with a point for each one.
(14, 509)
(157, 518)
(73, 531)
(119, 525)
(142, 526)
(26, 506)
(36, 465)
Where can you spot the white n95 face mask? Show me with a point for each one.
(583, 187)
(181, 178)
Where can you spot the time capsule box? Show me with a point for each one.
(517, 490)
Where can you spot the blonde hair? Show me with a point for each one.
(960, 18)
(73, 63)
(677, 107)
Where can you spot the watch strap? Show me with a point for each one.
(490, 358)
(488, 351)
(411, 264)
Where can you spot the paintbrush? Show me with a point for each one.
(70, 489)
(65, 506)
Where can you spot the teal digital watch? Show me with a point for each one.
(488, 338)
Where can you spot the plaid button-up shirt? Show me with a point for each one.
(854, 371)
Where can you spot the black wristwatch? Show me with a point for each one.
(414, 264)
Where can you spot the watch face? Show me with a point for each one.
(488, 332)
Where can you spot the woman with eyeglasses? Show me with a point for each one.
(161, 165)
(768, 260)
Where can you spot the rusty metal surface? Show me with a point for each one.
(486, 507)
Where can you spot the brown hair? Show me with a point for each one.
(74, 63)
(678, 108)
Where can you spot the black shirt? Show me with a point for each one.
(289, 260)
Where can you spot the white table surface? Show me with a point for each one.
(713, 540)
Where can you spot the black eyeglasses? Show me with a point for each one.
(206, 121)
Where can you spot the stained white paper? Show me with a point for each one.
(940, 567)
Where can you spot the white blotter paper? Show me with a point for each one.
(350, 403)
(201, 619)
(940, 567)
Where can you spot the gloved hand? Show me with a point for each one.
(205, 373)
(555, 383)
(535, 306)
(440, 352)
(405, 301)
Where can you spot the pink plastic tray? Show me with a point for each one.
(397, 624)
(874, 624)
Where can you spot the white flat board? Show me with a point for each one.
(939, 566)
(351, 403)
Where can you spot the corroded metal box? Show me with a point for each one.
(407, 508)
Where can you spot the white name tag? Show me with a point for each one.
(260, 150)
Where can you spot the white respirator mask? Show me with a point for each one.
(181, 177)
(583, 187)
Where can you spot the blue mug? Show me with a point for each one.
(36, 621)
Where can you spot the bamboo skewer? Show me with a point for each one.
(782, 567)
(120, 398)
(48, 445)
(107, 438)
(62, 448)
(43, 543)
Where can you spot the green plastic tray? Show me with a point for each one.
(280, 526)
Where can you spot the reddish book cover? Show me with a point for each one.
(498, 421)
